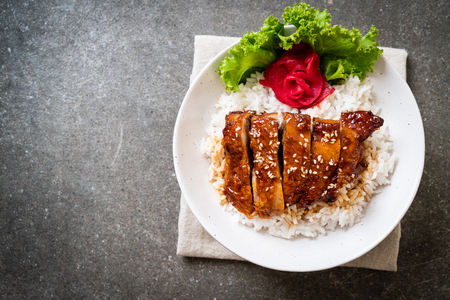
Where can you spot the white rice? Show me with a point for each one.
(321, 217)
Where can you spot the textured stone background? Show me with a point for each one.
(89, 94)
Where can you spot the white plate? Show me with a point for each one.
(384, 212)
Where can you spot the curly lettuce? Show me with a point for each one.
(308, 21)
(342, 52)
(254, 52)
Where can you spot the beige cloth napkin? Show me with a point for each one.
(194, 241)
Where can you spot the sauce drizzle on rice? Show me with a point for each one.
(348, 209)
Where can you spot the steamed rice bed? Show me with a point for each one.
(317, 219)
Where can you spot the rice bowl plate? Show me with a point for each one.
(386, 93)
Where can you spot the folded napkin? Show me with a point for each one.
(194, 241)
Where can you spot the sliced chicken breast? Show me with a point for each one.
(266, 175)
(296, 145)
(356, 127)
(325, 152)
(238, 159)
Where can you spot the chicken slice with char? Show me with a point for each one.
(296, 145)
(266, 177)
(325, 152)
(238, 189)
(356, 128)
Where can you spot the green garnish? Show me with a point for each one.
(342, 52)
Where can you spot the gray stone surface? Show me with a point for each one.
(89, 94)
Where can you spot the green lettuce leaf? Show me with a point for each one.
(254, 52)
(343, 52)
(308, 21)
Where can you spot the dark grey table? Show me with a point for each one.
(89, 202)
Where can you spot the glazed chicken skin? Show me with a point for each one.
(296, 145)
(266, 176)
(238, 189)
(356, 127)
(325, 152)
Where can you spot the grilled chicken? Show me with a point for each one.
(325, 151)
(356, 128)
(266, 177)
(314, 166)
(238, 189)
(296, 145)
